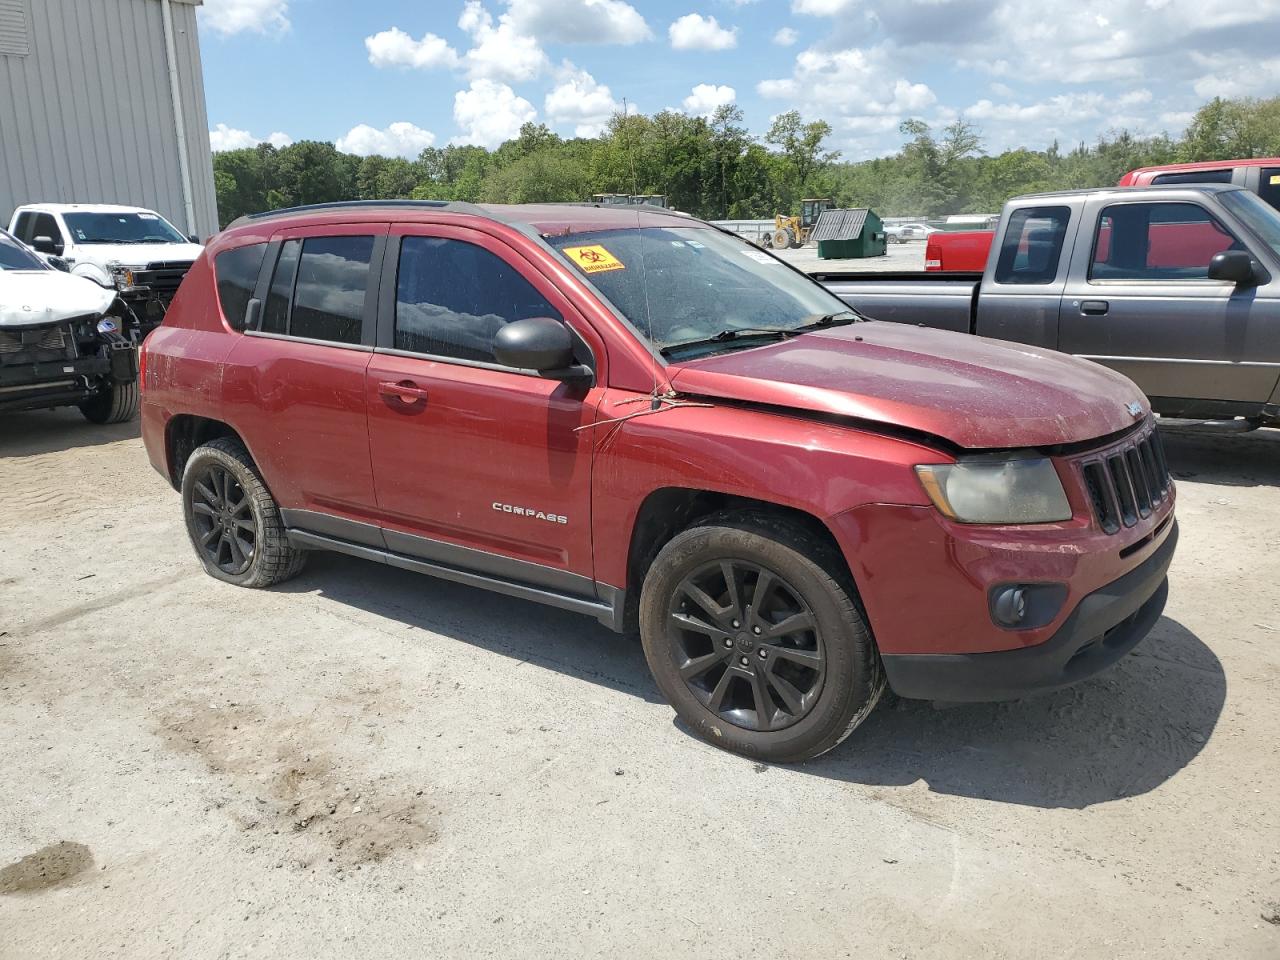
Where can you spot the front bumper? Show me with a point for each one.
(1103, 627)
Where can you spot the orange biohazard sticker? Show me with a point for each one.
(593, 259)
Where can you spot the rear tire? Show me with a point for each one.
(115, 403)
(779, 697)
(232, 520)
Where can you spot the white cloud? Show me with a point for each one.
(222, 137)
(578, 100)
(1228, 76)
(502, 51)
(706, 97)
(822, 8)
(490, 113)
(400, 139)
(579, 21)
(853, 82)
(238, 16)
(786, 37)
(696, 32)
(395, 48)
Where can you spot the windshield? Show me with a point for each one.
(700, 283)
(1256, 215)
(14, 256)
(121, 228)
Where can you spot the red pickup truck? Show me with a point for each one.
(633, 415)
(967, 251)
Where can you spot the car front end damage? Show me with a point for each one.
(147, 289)
(64, 362)
(980, 611)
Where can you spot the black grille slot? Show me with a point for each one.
(1101, 496)
(1138, 477)
(1155, 479)
(1124, 489)
(1157, 445)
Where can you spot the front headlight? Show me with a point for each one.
(122, 275)
(996, 490)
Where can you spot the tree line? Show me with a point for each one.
(712, 167)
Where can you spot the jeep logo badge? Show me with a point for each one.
(1134, 408)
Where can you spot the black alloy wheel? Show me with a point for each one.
(225, 530)
(747, 644)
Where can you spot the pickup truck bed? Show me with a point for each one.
(946, 301)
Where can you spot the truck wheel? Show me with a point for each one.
(115, 403)
(781, 239)
(756, 638)
(233, 522)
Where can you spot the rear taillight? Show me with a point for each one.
(142, 366)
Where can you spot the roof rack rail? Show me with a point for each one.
(458, 206)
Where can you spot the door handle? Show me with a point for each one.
(1094, 308)
(406, 391)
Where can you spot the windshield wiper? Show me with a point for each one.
(818, 321)
(732, 333)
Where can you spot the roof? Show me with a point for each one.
(542, 217)
(1204, 165)
(82, 208)
(1159, 190)
(839, 224)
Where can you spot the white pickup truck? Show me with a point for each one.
(131, 250)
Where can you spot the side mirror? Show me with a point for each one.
(538, 343)
(193, 239)
(59, 264)
(1233, 266)
(46, 245)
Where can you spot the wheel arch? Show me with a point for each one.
(184, 432)
(668, 511)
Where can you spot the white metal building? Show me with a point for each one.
(102, 101)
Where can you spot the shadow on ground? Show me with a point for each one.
(34, 432)
(1230, 459)
(1121, 734)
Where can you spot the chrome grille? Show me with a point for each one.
(1127, 482)
(53, 338)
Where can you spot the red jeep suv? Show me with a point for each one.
(637, 416)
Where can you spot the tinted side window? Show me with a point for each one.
(453, 296)
(1269, 185)
(43, 225)
(1194, 176)
(275, 314)
(1032, 245)
(333, 276)
(1157, 241)
(237, 274)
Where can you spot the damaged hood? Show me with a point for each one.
(974, 392)
(37, 298)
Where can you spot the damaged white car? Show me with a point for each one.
(63, 341)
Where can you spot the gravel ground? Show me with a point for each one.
(900, 256)
(366, 763)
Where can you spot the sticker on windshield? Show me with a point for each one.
(759, 256)
(147, 216)
(1275, 179)
(595, 259)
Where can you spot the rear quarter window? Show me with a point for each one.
(236, 272)
(1032, 245)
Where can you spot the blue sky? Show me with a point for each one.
(393, 76)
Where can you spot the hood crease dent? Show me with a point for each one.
(972, 392)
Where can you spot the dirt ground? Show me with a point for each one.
(367, 763)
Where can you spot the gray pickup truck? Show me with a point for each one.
(1178, 288)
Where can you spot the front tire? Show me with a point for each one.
(115, 403)
(232, 520)
(755, 636)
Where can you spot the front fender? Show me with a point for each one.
(91, 271)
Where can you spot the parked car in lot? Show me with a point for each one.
(636, 416)
(1178, 288)
(63, 341)
(131, 250)
(906, 232)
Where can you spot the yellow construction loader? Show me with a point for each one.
(792, 232)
